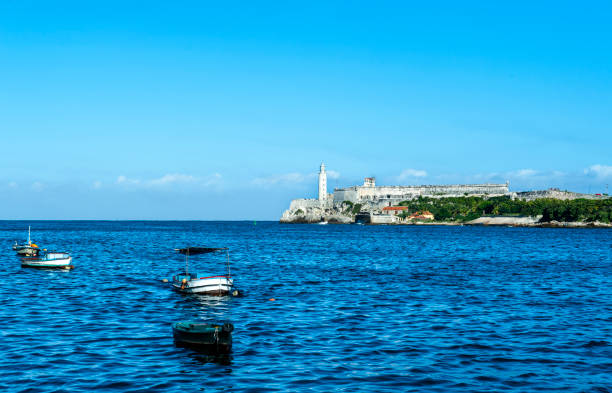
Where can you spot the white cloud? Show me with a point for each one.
(287, 178)
(411, 173)
(171, 179)
(292, 178)
(333, 174)
(600, 171)
(37, 186)
(12, 184)
(523, 173)
(519, 174)
(487, 176)
(127, 181)
(97, 185)
(215, 178)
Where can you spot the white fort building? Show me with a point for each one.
(373, 198)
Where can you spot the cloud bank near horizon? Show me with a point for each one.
(214, 196)
(598, 173)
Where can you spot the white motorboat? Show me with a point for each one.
(203, 283)
(50, 260)
(208, 285)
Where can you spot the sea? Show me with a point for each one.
(325, 308)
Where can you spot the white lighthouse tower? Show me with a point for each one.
(322, 184)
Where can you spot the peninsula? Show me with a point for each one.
(457, 204)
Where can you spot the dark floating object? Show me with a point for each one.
(214, 338)
(198, 250)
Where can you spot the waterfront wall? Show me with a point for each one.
(554, 193)
(304, 204)
(383, 219)
(381, 196)
(357, 193)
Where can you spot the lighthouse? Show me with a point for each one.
(322, 184)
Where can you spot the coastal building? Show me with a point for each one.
(394, 210)
(369, 182)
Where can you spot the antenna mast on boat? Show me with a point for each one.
(29, 241)
(187, 261)
(228, 263)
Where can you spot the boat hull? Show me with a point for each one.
(55, 263)
(210, 338)
(26, 250)
(214, 285)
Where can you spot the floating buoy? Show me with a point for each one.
(165, 280)
(272, 299)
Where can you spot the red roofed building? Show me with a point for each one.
(394, 210)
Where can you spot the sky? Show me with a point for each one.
(225, 110)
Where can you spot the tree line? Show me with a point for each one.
(471, 207)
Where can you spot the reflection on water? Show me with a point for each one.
(203, 358)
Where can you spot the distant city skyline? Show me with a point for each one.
(193, 110)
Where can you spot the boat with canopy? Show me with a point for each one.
(49, 260)
(203, 283)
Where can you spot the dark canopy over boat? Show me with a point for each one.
(199, 250)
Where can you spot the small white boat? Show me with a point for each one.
(50, 260)
(200, 283)
(203, 283)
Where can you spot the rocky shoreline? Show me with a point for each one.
(529, 222)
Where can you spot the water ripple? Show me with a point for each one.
(357, 308)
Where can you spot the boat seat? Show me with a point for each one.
(202, 275)
(193, 276)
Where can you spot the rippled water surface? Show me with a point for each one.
(358, 308)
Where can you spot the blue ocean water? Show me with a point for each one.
(358, 308)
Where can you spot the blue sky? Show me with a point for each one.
(195, 110)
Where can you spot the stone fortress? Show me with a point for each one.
(336, 207)
(373, 198)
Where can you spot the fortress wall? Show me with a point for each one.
(383, 219)
(304, 204)
(346, 194)
(359, 193)
(371, 193)
(373, 199)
